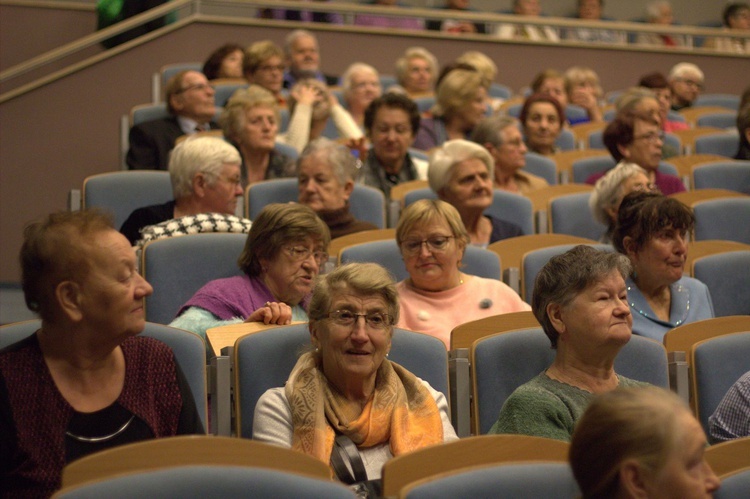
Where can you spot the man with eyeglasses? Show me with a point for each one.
(501, 136)
(638, 139)
(191, 107)
(686, 81)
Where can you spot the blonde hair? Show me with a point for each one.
(258, 53)
(456, 90)
(402, 64)
(480, 62)
(425, 211)
(233, 118)
(580, 74)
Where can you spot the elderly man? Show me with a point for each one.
(205, 174)
(303, 59)
(686, 81)
(638, 138)
(501, 136)
(190, 102)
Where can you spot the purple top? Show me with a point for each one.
(232, 297)
(388, 22)
(431, 134)
(667, 184)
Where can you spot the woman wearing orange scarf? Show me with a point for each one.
(347, 386)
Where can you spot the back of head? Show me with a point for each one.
(635, 424)
(52, 253)
(199, 154)
(654, 81)
(480, 62)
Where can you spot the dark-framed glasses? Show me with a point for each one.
(300, 253)
(436, 244)
(374, 320)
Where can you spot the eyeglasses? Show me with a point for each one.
(436, 244)
(198, 86)
(651, 137)
(300, 253)
(374, 320)
(691, 83)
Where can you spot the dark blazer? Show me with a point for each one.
(151, 142)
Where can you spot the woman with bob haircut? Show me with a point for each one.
(542, 118)
(224, 62)
(640, 443)
(416, 71)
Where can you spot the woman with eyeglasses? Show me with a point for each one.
(282, 257)
(346, 391)
(437, 296)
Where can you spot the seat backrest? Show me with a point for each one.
(699, 249)
(520, 481)
(476, 261)
(716, 364)
(541, 166)
(464, 335)
(511, 250)
(119, 193)
(727, 276)
(734, 484)
(718, 219)
(15, 332)
(571, 214)
(499, 90)
(723, 144)
(467, 452)
(168, 71)
(566, 141)
(263, 360)
(732, 175)
(286, 150)
(502, 362)
(691, 198)
(682, 338)
(225, 88)
(210, 481)
(177, 267)
(364, 236)
(718, 120)
(147, 112)
(585, 167)
(729, 101)
(424, 104)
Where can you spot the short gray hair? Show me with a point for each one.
(451, 153)
(608, 190)
(488, 129)
(402, 64)
(198, 154)
(357, 67)
(293, 37)
(567, 275)
(682, 69)
(343, 164)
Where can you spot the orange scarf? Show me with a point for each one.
(401, 411)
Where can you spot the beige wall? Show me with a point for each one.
(52, 138)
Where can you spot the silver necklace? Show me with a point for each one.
(93, 440)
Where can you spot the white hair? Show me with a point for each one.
(199, 154)
(451, 153)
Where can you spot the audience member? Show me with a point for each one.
(591, 10)
(551, 82)
(642, 101)
(224, 62)
(455, 26)
(416, 71)
(391, 122)
(651, 230)
(658, 83)
(327, 172)
(85, 381)
(282, 257)
(461, 174)
(250, 120)
(736, 18)
(743, 129)
(398, 22)
(522, 31)
(542, 118)
(686, 81)
(303, 15)
(581, 301)
(461, 102)
(640, 442)
(263, 65)
(205, 175)
(303, 59)
(346, 388)
(638, 138)
(190, 102)
(610, 189)
(731, 419)
(487, 68)
(361, 85)
(584, 90)
(501, 136)
(660, 12)
(311, 105)
(437, 296)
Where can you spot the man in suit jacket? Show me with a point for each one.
(190, 102)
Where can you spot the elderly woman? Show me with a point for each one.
(391, 122)
(326, 180)
(551, 82)
(84, 381)
(224, 62)
(610, 189)
(659, 84)
(205, 175)
(361, 85)
(461, 102)
(659, 12)
(584, 90)
(251, 121)
(437, 296)
(580, 299)
(640, 442)
(461, 174)
(416, 71)
(542, 118)
(651, 231)
(347, 386)
(311, 105)
(263, 65)
(282, 257)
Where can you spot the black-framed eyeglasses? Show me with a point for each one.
(374, 320)
(436, 244)
(299, 253)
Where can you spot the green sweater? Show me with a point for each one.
(544, 407)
